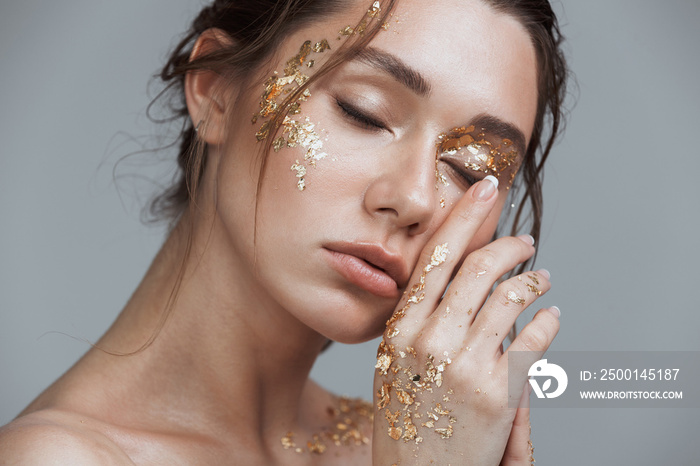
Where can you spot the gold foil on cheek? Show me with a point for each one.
(304, 135)
(300, 174)
(294, 133)
(440, 177)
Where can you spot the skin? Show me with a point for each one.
(227, 375)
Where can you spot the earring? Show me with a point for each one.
(196, 129)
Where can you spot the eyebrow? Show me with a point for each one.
(397, 68)
(413, 80)
(500, 128)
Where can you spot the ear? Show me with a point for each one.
(205, 93)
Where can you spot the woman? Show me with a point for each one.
(343, 162)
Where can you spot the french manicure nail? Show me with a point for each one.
(528, 239)
(485, 190)
(555, 310)
(545, 273)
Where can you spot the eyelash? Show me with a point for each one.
(462, 174)
(362, 119)
(367, 122)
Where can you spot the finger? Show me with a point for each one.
(532, 341)
(474, 281)
(453, 318)
(519, 449)
(508, 300)
(441, 256)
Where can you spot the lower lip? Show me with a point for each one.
(363, 275)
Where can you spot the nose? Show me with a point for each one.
(404, 191)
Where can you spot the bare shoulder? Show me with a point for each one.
(54, 438)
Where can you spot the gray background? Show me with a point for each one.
(620, 230)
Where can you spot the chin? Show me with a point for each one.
(354, 322)
(353, 338)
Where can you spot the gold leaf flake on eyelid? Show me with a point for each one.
(481, 154)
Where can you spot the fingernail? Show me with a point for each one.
(545, 273)
(528, 239)
(485, 190)
(555, 310)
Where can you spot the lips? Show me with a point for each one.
(369, 266)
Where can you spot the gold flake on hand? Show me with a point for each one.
(513, 297)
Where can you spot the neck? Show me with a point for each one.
(224, 340)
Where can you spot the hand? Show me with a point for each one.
(519, 450)
(442, 377)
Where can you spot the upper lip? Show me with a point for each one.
(377, 256)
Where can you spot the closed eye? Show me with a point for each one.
(460, 174)
(359, 117)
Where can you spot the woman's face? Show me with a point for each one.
(381, 149)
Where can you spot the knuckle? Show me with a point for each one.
(425, 344)
(481, 260)
(512, 292)
(536, 338)
(470, 214)
(489, 403)
(513, 456)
